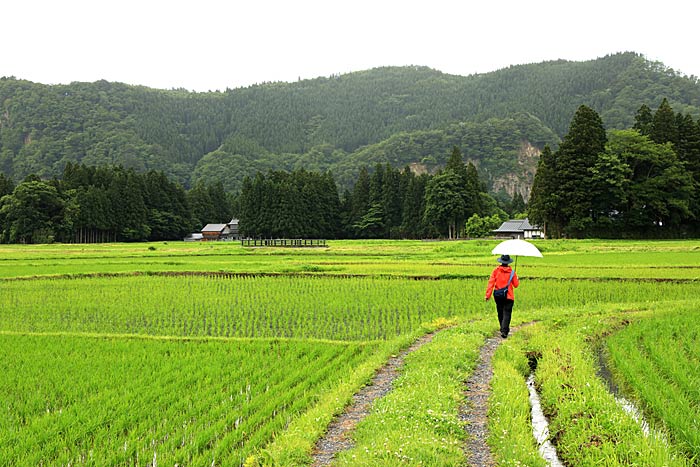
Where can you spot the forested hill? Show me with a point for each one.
(404, 116)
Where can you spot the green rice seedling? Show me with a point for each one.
(510, 428)
(370, 308)
(652, 364)
(592, 259)
(587, 425)
(293, 447)
(105, 401)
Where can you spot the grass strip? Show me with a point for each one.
(293, 447)
(418, 423)
(587, 425)
(510, 426)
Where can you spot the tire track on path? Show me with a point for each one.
(474, 412)
(338, 436)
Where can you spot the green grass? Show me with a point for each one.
(124, 401)
(106, 360)
(587, 425)
(656, 360)
(417, 423)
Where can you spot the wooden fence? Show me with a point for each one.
(284, 242)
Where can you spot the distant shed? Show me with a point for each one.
(518, 228)
(212, 232)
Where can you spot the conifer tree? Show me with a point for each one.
(444, 203)
(643, 120)
(664, 128)
(576, 157)
(472, 193)
(543, 206)
(360, 202)
(412, 223)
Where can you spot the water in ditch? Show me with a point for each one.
(540, 426)
(605, 375)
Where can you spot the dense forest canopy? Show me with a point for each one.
(638, 182)
(411, 116)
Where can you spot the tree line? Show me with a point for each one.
(386, 203)
(639, 182)
(101, 204)
(106, 204)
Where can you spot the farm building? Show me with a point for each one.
(518, 228)
(221, 231)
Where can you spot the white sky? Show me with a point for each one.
(204, 45)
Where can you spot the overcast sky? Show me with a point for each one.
(204, 45)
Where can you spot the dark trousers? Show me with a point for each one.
(505, 310)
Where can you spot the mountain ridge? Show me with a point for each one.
(333, 123)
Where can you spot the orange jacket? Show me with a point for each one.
(499, 279)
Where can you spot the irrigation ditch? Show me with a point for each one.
(606, 375)
(540, 424)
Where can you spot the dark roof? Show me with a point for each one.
(516, 225)
(214, 227)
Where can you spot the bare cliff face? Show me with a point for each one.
(521, 180)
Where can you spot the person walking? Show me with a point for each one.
(501, 283)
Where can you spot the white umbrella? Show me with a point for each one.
(516, 248)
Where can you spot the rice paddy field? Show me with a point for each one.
(217, 354)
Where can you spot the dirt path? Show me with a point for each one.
(475, 410)
(337, 438)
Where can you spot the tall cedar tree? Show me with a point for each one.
(643, 120)
(688, 150)
(444, 203)
(466, 190)
(543, 206)
(576, 156)
(412, 224)
(664, 128)
(474, 189)
(359, 204)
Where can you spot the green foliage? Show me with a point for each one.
(299, 204)
(478, 226)
(657, 363)
(35, 212)
(444, 203)
(653, 188)
(626, 183)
